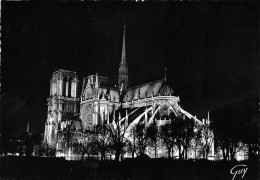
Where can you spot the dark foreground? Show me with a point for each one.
(55, 168)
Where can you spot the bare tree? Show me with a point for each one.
(87, 145)
(131, 144)
(207, 140)
(140, 139)
(101, 140)
(184, 129)
(168, 137)
(153, 137)
(250, 112)
(197, 139)
(229, 130)
(117, 132)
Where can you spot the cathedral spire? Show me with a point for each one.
(123, 57)
(123, 69)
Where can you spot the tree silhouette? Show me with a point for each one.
(184, 130)
(250, 113)
(168, 136)
(207, 139)
(141, 139)
(153, 137)
(236, 125)
(101, 140)
(197, 139)
(86, 146)
(117, 134)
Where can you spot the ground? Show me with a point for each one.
(57, 168)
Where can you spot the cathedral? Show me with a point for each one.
(73, 111)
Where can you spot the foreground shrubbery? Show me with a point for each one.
(55, 168)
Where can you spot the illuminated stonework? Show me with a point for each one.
(71, 115)
(62, 103)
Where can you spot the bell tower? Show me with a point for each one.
(63, 102)
(123, 69)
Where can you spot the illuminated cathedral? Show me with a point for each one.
(73, 111)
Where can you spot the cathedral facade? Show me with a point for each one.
(72, 112)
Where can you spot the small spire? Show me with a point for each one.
(103, 95)
(121, 88)
(28, 128)
(208, 119)
(83, 84)
(96, 84)
(165, 73)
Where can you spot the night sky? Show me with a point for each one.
(211, 52)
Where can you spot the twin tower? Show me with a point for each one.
(94, 105)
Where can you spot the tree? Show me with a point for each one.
(36, 139)
(140, 138)
(228, 130)
(101, 140)
(50, 150)
(131, 144)
(197, 139)
(207, 139)
(27, 144)
(39, 150)
(184, 130)
(86, 146)
(153, 137)
(168, 136)
(117, 134)
(251, 114)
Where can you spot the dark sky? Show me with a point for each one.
(211, 51)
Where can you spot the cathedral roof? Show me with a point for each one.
(155, 88)
(113, 92)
